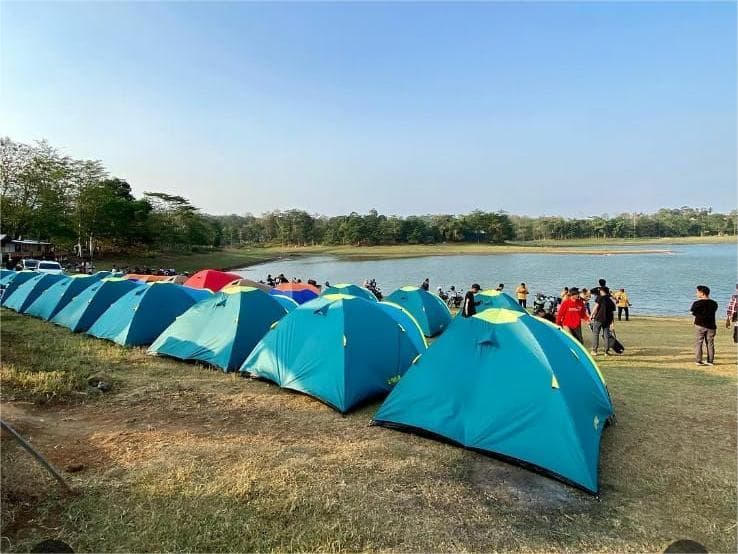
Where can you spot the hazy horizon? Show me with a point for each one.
(568, 109)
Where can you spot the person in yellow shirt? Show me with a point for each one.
(522, 294)
(623, 303)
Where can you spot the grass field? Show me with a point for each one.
(228, 258)
(178, 457)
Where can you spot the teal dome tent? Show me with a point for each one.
(353, 290)
(58, 295)
(493, 298)
(286, 302)
(83, 311)
(10, 283)
(221, 330)
(429, 310)
(512, 385)
(338, 348)
(138, 317)
(407, 323)
(29, 291)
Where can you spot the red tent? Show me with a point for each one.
(211, 279)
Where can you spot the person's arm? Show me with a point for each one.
(560, 312)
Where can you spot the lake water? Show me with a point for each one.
(658, 284)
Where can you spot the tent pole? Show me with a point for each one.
(51, 469)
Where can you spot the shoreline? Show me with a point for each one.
(240, 258)
(364, 253)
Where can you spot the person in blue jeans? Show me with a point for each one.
(603, 319)
(703, 310)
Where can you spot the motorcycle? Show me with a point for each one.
(454, 299)
(547, 304)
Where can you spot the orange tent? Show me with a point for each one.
(145, 278)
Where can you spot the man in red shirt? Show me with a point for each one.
(571, 314)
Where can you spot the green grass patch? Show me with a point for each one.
(179, 457)
(227, 258)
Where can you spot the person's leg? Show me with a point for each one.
(699, 339)
(620, 312)
(595, 335)
(627, 314)
(607, 337)
(577, 332)
(710, 340)
(735, 333)
(521, 302)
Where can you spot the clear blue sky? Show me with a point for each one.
(411, 108)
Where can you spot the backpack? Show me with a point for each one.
(615, 345)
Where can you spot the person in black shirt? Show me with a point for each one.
(425, 285)
(469, 308)
(596, 290)
(603, 316)
(703, 310)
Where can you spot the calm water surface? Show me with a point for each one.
(658, 284)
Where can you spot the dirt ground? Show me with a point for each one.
(179, 457)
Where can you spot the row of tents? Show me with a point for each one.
(501, 382)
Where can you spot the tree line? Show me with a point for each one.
(77, 204)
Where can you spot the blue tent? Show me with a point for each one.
(512, 385)
(10, 283)
(493, 298)
(87, 306)
(29, 291)
(58, 295)
(353, 290)
(221, 330)
(429, 310)
(340, 349)
(299, 292)
(138, 317)
(5, 272)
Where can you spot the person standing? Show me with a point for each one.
(703, 310)
(564, 294)
(571, 314)
(425, 285)
(596, 290)
(603, 317)
(469, 308)
(731, 317)
(522, 294)
(623, 303)
(586, 296)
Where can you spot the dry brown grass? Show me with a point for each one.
(179, 457)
